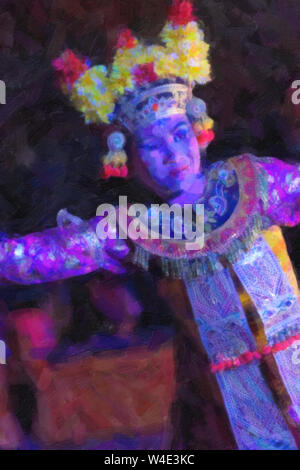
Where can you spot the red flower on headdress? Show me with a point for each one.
(126, 40)
(181, 12)
(69, 67)
(205, 137)
(144, 73)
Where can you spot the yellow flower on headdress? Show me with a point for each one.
(175, 35)
(168, 65)
(184, 54)
(92, 96)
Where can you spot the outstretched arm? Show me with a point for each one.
(59, 253)
(282, 190)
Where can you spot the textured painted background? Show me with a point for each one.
(50, 160)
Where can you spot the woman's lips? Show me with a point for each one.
(178, 170)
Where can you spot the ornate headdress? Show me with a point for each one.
(143, 83)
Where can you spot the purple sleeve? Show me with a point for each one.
(281, 183)
(57, 253)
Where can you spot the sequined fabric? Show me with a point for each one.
(57, 253)
(50, 255)
(282, 190)
(256, 421)
(278, 307)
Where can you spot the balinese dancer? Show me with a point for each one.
(238, 293)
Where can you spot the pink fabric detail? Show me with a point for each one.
(250, 356)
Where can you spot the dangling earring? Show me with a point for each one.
(202, 124)
(115, 162)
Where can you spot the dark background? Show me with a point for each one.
(49, 159)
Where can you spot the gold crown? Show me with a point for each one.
(129, 91)
(160, 101)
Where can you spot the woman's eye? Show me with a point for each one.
(180, 135)
(150, 147)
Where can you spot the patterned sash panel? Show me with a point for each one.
(275, 299)
(256, 421)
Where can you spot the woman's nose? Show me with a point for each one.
(171, 156)
(170, 153)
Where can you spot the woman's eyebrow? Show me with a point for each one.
(140, 140)
(179, 124)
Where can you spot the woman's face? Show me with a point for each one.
(167, 158)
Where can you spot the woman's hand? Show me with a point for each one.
(114, 251)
